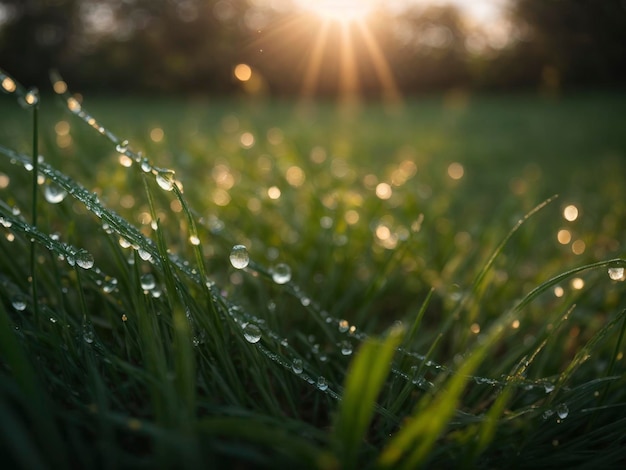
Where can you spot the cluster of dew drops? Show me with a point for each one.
(239, 259)
(281, 274)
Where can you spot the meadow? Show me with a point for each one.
(261, 283)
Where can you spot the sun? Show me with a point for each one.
(341, 11)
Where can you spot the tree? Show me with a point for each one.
(578, 41)
(35, 36)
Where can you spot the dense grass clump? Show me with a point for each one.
(252, 284)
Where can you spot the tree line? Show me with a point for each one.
(193, 46)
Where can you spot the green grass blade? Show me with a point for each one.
(364, 380)
(182, 349)
(286, 445)
(33, 246)
(36, 402)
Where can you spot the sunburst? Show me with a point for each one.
(341, 11)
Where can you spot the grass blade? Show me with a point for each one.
(364, 381)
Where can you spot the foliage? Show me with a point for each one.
(192, 46)
(142, 346)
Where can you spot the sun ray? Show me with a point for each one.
(348, 77)
(341, 11)
(314, 65)
(391, 93)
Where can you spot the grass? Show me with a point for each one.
(422, 320)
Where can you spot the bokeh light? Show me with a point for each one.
(564, 236)
(456, 171)
(243, 72)
(274, 192)
(157, 134)
(570, 213)
(383, 191)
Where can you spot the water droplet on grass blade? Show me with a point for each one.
(165, 179)
(31, 98)
(252, 333)
(343, 326)
(616, 273)
(73, 105)
(122, 147)
(322, 384)
(562, 410)
(144, 255)
(194, 240)
(346, 348)
(84, 259)
(88, 334)
(147, 282)
(296, 366)
(19, 303)
(8, 84)
(239, 257)
(281, 273)
(548, 387)
(53, 194)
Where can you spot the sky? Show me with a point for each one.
(483, 11)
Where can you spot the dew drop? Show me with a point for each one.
(239, 257)
(322, 384)
(143, 254)
(562, 410)
(31, 98)
(281, 273)
(145, 166)
(8, 84)
(5, 223)
(343, 326)
(147, 282)
(53, 194)
(617, 273)
(346, 348)
(252, 333)
(194, 240)
(165, 179)
(73, 105)
(88, 334)
(548, 387)
(122, 147)
(84, 259)
(296, 366)
(19, 304)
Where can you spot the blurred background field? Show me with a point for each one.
(336, 194)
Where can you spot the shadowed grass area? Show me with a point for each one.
(415, 257)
